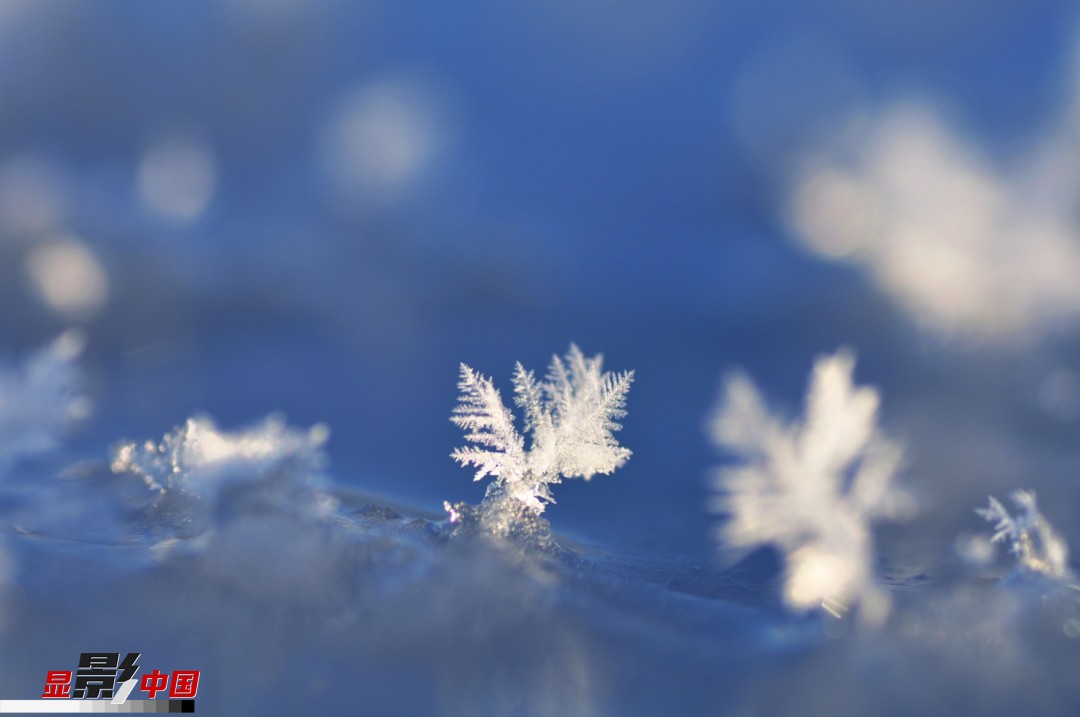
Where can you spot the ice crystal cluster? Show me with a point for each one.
(810, 488)
(1038, 549)
(570, 418)
(40, 398)
(194, 467)
(196, 457)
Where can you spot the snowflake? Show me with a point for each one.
(1032, 540)
(811, 488)
(570, 417)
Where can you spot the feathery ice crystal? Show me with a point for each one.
(810, 488)
(570, 416)
(41, 398)
(1038, 549)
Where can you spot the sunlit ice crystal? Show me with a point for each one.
(570, 418)
(197, 474)
(811, 488)
(1037, 546)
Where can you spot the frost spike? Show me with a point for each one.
(487, 422)
(528, 395)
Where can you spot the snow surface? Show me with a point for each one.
(233, 551)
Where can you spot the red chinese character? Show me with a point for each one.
(153, 683)
(185, 683)
(57, 684)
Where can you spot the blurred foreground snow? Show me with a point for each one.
(40, 398)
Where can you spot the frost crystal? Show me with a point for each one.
(810, 488)
(196, 466)
(197, 457)
(41, 398)
(570, 417)
(1038, 549)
